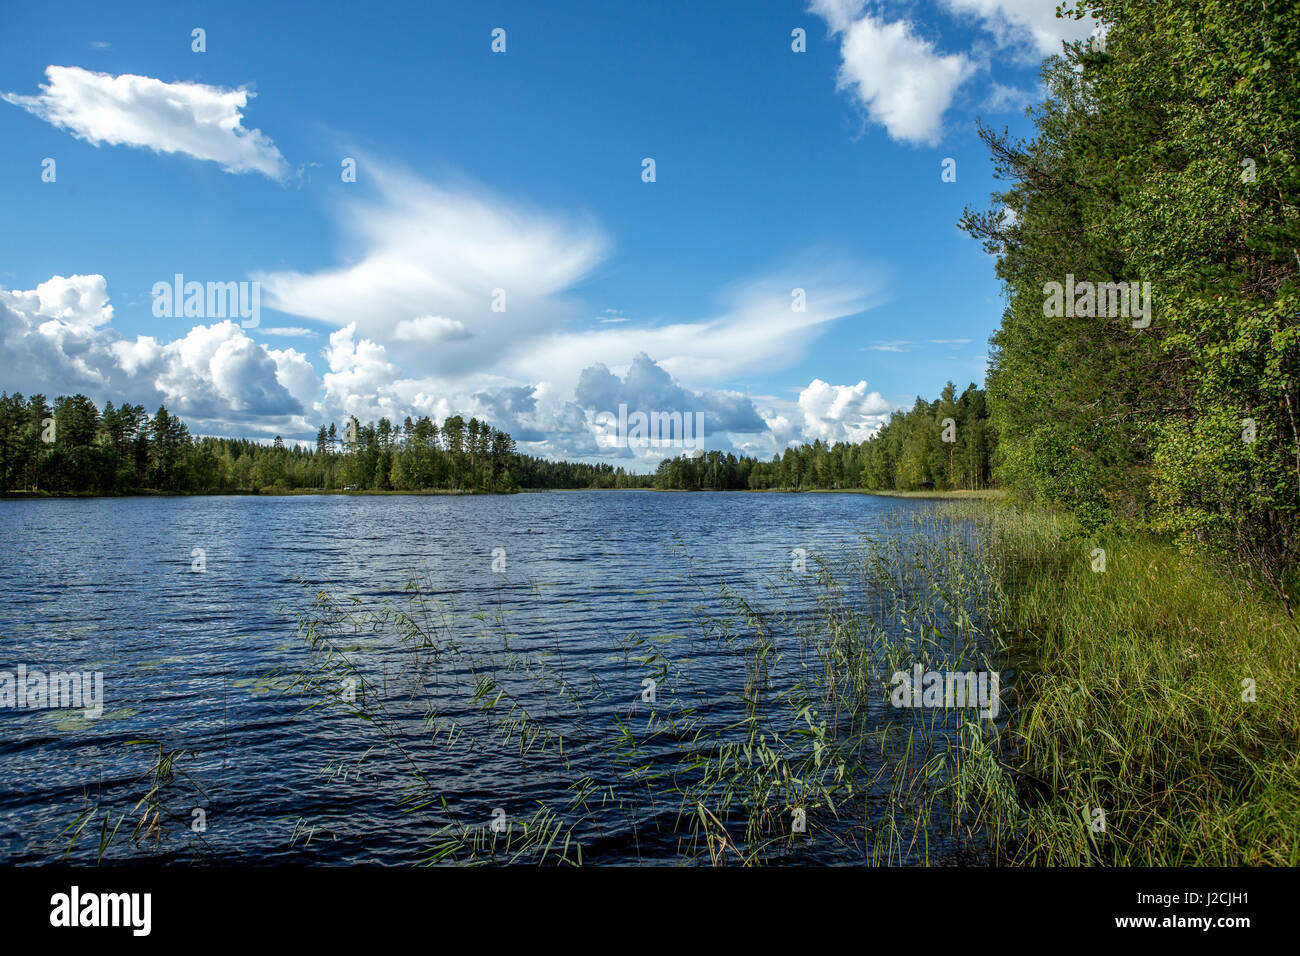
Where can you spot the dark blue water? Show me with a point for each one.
(109, 585)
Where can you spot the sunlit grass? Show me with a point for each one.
(1130, 689)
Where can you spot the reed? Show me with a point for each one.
(1133, 699)
(1124, 737)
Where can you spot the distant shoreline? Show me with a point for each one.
(953, 495)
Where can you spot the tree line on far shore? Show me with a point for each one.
(943, 445)
(76, 447)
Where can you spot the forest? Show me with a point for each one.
(1164, 154)
(943, 445)
(76, 447)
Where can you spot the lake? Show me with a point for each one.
(187, 606)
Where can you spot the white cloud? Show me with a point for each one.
(1026, 22)
(128, 110)
(217, 372)
(77, 303)
(430, 328)
(838, 14)
(420, 286)
(359, 372)
(895, 75)
(753, 330)
(441, 254)
(1008, 99)
(841, 412)
(58, 339)
(907, 86)
(897, 345)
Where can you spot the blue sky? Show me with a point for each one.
(519, 171)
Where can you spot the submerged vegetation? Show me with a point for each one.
(1152, 704)
(759, 740)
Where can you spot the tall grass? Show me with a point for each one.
(1132, 699)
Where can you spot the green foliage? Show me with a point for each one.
(1169, 158)
(908, 453)
(74, 448)
(1162, 691)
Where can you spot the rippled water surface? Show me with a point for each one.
(110, 585)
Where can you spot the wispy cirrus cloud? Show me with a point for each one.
(462, 276)
(205, 122)
(896, 345)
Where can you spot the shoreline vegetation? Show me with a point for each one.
(1155, 685)
(1152, 705)
(954, 494)
(77, 448)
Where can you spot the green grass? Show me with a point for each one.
(1130, 700)
(954, 494)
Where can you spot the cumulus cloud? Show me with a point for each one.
(589, 371)
(647, 387)
(838, 14)
(841, 412)
(359, 375)
(202, 121)
(427, 264)
(906, 85)
(430, 328)
(897, 76)
(539, 420)
(216, 371)
(58, 339)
